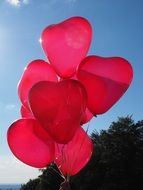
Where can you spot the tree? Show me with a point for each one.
(116, 163)
(31, 185)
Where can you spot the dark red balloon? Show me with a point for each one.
(30, 143)
(87, 115)
(66, 44)
(37, 70)
(59, 107)
(72, 157)
(26, 113)
(105, 79)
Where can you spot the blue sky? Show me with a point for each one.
(117, 31)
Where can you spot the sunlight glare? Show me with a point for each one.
(40, 40)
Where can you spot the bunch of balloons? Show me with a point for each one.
(60, 95)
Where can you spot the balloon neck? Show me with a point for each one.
(66, 184)
(68, 178)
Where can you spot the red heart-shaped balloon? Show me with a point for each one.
(30, 143)
(87, 115)
(66, 44)
(72, 157)
(37, 70)
(59, 107)
(105, 79)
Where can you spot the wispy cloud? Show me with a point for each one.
(17, 3)
(10, 107)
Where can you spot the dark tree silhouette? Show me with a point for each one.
(31, 185)
(116, 163)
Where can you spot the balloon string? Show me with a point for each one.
(82, 143)
(60, 172)
(65, 185)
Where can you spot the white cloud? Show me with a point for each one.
(14, 2)
(10, 107)
(14, 171)
(17, 3)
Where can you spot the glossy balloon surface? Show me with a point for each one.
(37, 70)
(87, 114)
(72, 157)
(59, 96)
(30, 143)
(105, 79)
(66, 44)
(59, 107)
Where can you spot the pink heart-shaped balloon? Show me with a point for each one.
(30, 143)
(72, 157)
(37, 70)
(105, 79)
(59, 107)
(66, 44)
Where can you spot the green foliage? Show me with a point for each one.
(116, 163)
